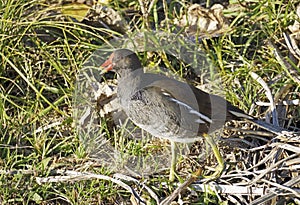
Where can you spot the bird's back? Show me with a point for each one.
(171, 109)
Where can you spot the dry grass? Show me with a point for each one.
(43, 160)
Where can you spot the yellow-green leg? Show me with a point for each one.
(218, 156)
(173, 161)
(211, 142)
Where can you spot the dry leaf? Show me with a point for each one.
(75, 10)
(295, 28)
(201, 21)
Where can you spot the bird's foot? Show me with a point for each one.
(218, 171)
(221, 164)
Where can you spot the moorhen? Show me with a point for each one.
(167, 108)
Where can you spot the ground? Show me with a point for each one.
(45, 45)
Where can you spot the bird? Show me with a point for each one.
(168, 108)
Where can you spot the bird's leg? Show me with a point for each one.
(173, 161)
(219, 169)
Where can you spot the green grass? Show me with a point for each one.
(40, 57)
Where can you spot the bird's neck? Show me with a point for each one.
(129, 82)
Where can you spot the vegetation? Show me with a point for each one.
(43, 48)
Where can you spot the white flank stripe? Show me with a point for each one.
(199, 121)
(238, 114)
(165, 93)
(192, 111)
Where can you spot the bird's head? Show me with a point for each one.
(122, 61)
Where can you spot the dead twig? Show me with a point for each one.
(79, 176)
